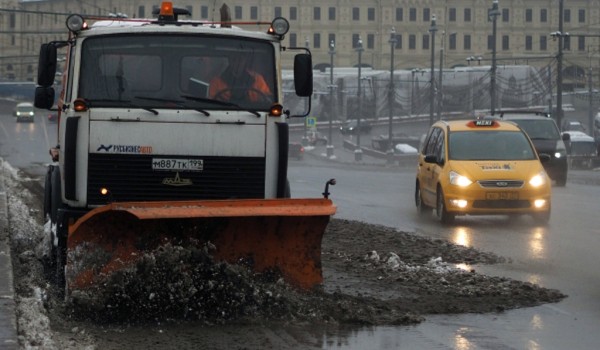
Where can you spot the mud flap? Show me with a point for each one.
(272, 235)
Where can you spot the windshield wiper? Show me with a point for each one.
(220, 103)
(177, 103)
(128, 104)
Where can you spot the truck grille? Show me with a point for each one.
(131, 178)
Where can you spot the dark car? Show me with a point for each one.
(573, 125)
(351, 127)
(315, 138)
(546, 137)
(296, 150)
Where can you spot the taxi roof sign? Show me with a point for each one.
(483, 123)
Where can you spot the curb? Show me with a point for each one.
(8, 316)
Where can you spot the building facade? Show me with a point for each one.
(462, 32)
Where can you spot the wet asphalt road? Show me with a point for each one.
(561, 256)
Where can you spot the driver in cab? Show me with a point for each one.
(240, 83)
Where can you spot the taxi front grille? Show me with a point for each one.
(501, 183)
(501, 204)
(131, 178)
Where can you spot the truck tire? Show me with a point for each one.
(59, 238)
(50, 251)
(55, 200)
(47, 192)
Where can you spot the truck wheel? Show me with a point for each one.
(61, 261)
(48, 192)
(59, 238)
(55, 196)
(50, 252)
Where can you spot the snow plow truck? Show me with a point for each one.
(147, 148)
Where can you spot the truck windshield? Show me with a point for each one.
(168, 71)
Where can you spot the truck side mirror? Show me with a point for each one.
(303, 75)
(47, 65)
(44, 97)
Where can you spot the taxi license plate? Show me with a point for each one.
(177, 164)
(502, 195)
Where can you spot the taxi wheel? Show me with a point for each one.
(542, 218)
(440, 210)
(422, 208)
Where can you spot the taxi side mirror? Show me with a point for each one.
(431, 158)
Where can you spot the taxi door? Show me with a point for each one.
(429, 172)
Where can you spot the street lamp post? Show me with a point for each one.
(358, 150)
(493, 13)
(391, 97)
(332, 104)
(413, 93)
(432, 30)
(305, 137)
(440, 92)
(559, 65)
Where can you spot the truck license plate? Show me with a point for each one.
(502, 195)
(175, 164)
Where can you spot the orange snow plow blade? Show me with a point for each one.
(281, 235)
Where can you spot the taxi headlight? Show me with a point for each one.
(459, 180)
(538, 180)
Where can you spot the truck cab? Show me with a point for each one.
(142, 118)
(186, 120)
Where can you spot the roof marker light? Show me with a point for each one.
(75, 23)
(279, 26)
(80, 105)
(166, 11)
(276, 110)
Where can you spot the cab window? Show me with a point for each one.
(430, 146)
(439, 148)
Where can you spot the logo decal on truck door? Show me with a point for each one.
(176, 181)
(136, 149)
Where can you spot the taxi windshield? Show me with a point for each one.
(489, 145)
(178, 71)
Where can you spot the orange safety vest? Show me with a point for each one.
(217, 85)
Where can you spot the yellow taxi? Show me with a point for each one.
(481, 167)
